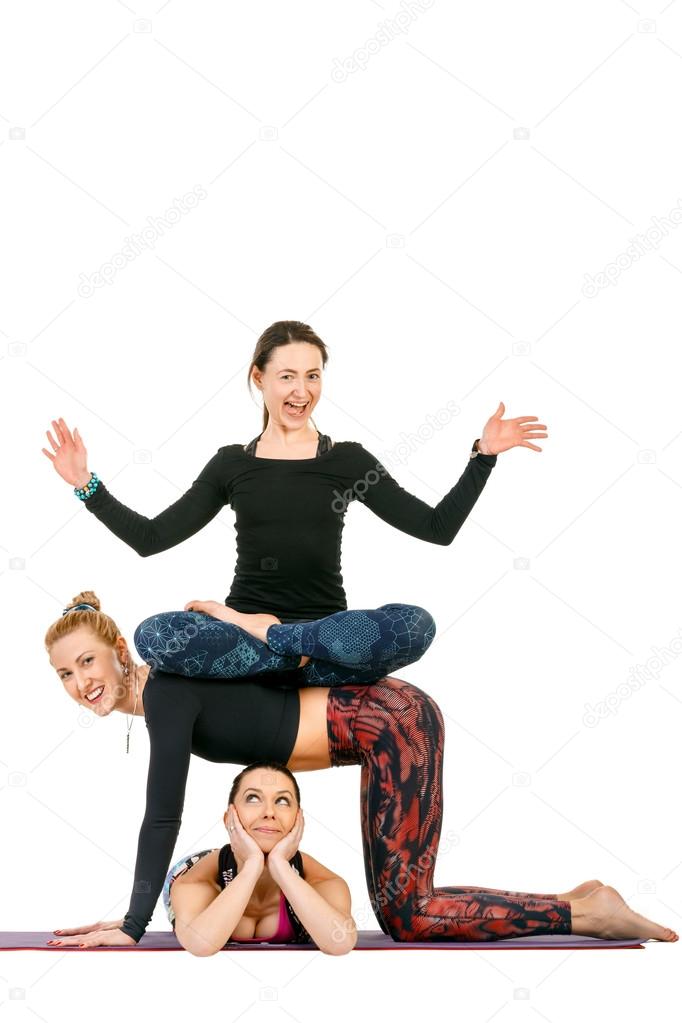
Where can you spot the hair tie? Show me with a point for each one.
(78, 607)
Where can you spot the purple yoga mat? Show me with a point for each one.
(165, 941)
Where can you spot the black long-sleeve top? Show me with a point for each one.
(289, 520)
(215, 720)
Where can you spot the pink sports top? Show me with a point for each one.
(284, 932)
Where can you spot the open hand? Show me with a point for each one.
(501, 434)
(91, 935)
(243, 846)
(288, 845)
(70, 458)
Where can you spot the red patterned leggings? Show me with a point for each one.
(395, 731)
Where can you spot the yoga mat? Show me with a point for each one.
(165, 941)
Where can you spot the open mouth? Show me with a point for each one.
(295, 409)
(94, 695)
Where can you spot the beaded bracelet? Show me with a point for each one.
(83, 493)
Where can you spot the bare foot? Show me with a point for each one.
(605, 914)
(256, 625)
(580, 891)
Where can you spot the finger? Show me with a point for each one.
(499, 412)
(55, 446)
(528, 435)
(533, 426)
(65, 429)
(58, 430)
(524, 419)
(47, 453)
(526, 444)
(76, 940)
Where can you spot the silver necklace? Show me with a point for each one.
(137, 691)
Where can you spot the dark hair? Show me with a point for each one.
(284, 332)
(272, 765)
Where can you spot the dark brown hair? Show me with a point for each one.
(284, 332)
(271, 765)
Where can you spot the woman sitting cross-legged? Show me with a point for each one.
(259, 887)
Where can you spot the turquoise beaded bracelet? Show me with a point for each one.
(83, 493)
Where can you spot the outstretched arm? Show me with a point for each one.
(190, 513)
(386, 498)
(170, 723)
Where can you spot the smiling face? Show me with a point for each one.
(293, 375)
(266, 805)
(87, 666)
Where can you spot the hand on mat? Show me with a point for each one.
(287, 846)
(70, 458)
(502, 434)
(102, 933)
(244, 847)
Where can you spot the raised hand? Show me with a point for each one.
(70, 458)
(243, 846)
(502, 434)
(91, 935)
(288, 845)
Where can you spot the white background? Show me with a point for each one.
(432, 216)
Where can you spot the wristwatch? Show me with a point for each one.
(474, 450)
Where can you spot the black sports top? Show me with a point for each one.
(290, 518)
(214, 719)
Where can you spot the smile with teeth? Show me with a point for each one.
(94, 695)
(295, 408)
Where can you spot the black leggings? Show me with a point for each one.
(395, 731)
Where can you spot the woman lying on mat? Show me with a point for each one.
(391, 728)
(259, 887)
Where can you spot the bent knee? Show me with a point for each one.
(424, 629)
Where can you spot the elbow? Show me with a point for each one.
(200, 949)
(202, 952)
(339, 948)
(342, 941)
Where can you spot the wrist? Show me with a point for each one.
(82, 479)
(483, 448)
(252, 864)
(277, 865)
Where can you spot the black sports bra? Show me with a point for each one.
(324, 444)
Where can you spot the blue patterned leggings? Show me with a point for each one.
(357, 647)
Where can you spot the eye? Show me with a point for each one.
(90, 657)
(251, 795)
(285, 800)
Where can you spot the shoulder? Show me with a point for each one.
(329, 885)
(168, 696)
(314, 871)
(204, 870)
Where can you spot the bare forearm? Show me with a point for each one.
(332, 931)
(209, 931)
